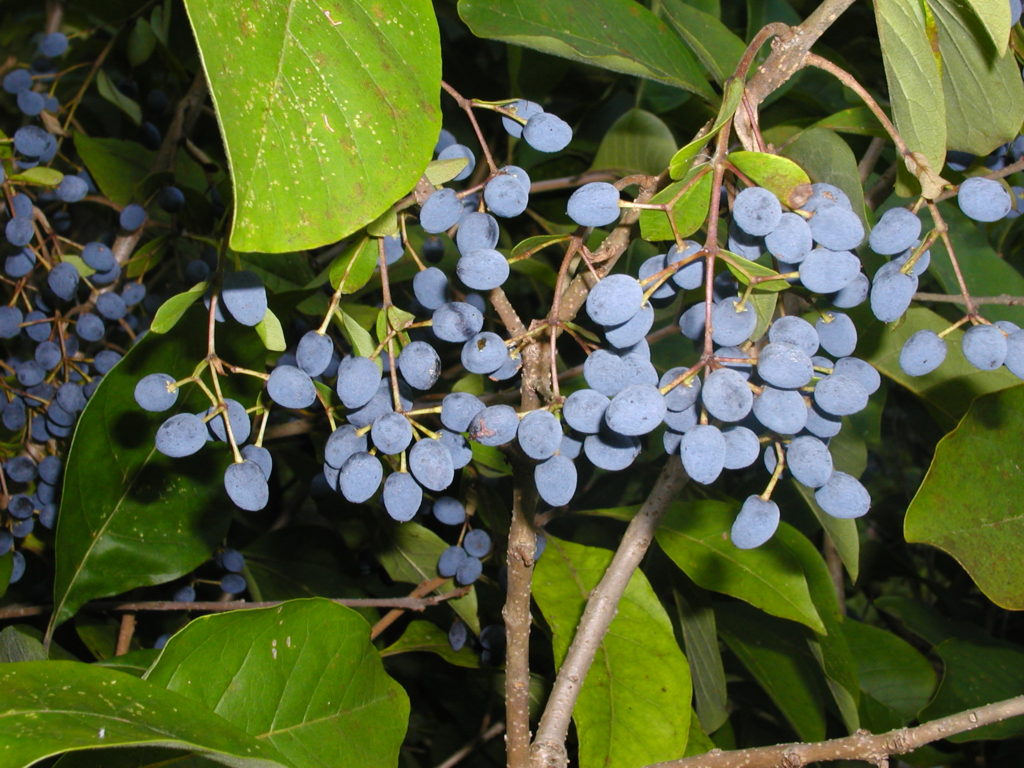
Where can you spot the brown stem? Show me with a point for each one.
(940, 225)
(463, 752)
(412, 603)
(548, 749)
(860, 746)
(1002, 299)
(124, 634)
(418, 594)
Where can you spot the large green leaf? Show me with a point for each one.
(983, 89)
(969, 504)
(778, 657)
(50, 707)
(314, 100)
(950, 388)
(301, 676)
(912, 70)
(830, 649)
(994, 16)
(641, 45)
(985, 271)
(638, 142)
(129, 515)
(412, 557)
(633, 707)
(116, 165)
(977, 673)
(890, 669)
(695, 536)
(826, 157)
(697, 621)
(717, 47)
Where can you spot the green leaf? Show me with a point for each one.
(826, 157)
(717, 47)
(412, 557)
(697, 620)
(353, 268)
(301, 676)
(41, 176)
(913, 73)
(51, 707)
(642, 45)
(440, 172)
(134, 662)
(779, 659)
(492, 458)
(856, 120)
(745, 271)
(130, 516)
(994, 16)
(949, 389)
(638, 142)
(313, 100)
(969, 502)
(977, 673)
(764, 306)
(841, 531)
(17, 645)
(639, 682)
(695, 536)
(679, 166)
(322, 569)
(984, 92)
(890, 669)
(688, 211)
(117, 166)
(141, 43)
(357, 336)
(784, 178)
(113, 94)
(172, 310)
(271, 333)
(426, 636)
(535, 242)
(830, 648)
(985, 271)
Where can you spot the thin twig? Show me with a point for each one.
(411, 603)
(860, 746)
(463, 752)
(124, 634)
(548, 749)
(1003, 299)
(418, 595)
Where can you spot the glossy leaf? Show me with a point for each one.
(412, 557)
(313, 98)
(784, 178)
(643, 45)
(779, 659)
(51, 707)
(969, 502)
(860, 121)
(172, 310)
(890, 669)
(689, 209)
(913, 73)
(984, 93)
(696, 537)
(440, 172)
(639, 676)
(322, 569)
(301, 676)
(976, 673)
(427, 636)
(130, 516)
(681, 161)
(17, 645)
(949, 389)
(357, 336)
(39, 176)
(717, 47)
(638, 142)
